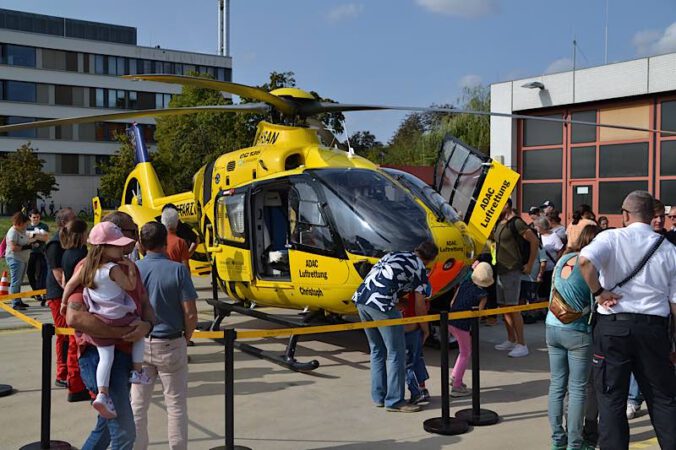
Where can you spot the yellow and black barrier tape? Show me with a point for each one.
(278, 332)
(19, 315)
(243, 334)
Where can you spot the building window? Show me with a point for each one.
(42, 93)
(668, 112)
(583, 133)
(70, 164)
(20, 91)
(116, 99)
(542, 164)
(99, 98)
(623, 160)
(132, 67)
(583, 162)
(631, 116)
(148, 66)
(63, 95)
(162, 100)
(668, 158)
(146, 100)
(535, 194)
(53, 59)
(133, 100)
(100, 65)
(540, 132)
(18, 55)
(668, 192)
(64, 132)
(71, 62)
(189, 69)
(87, 132)
(11, 120)
(612, 194)
(112, 65)
(220, 74)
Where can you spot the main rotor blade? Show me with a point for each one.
(321, 107)
(242, 108)
(284, 106)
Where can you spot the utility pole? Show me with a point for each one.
(605, 48)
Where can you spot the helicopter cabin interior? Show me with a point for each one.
(286, 214)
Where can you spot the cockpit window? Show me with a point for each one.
(431, 198)
(373, 215)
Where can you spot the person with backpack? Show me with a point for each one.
(569, 343)
(516, 250)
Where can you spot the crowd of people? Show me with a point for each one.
(133, 318)
(611, 292)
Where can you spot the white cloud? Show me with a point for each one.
(461, 8)
(469, 81)
(654, 42)
(346, 11)
(560, 65)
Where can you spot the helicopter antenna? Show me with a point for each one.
(350, 150)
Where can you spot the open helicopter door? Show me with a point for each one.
(231, 244)
(476, 186)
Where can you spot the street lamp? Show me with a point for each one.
(534, 85)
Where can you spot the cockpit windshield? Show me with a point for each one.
(431, 198)
(373, 215)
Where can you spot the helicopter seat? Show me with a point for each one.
(275, 258)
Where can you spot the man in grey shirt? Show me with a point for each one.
(172, 295)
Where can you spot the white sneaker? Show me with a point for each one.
(105, 407)
(632, 409)
(507, 345)
(462, 391)
(518, 351)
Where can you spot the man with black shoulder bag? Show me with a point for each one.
(633, 333)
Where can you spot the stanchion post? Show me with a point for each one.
(476, 415)
(214, 287)
(45, 442)
(445, 424)
(230, 336)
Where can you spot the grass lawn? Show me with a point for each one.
(6, 223)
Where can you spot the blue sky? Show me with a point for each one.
(400, 52)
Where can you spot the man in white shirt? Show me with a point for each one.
(632, 332)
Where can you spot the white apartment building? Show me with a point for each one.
(54, 67)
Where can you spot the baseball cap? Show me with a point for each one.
(547, 204)
(107, 233)
(534, 210)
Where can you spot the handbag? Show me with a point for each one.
(562, 310)
(567, 314)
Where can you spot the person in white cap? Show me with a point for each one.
(105, 284)
(471, 293)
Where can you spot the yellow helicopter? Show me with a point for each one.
(291, 223)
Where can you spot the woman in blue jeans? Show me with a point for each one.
(570, 347)
(17, 254)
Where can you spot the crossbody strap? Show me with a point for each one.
(642, 263)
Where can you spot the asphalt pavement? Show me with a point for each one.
(276, 408)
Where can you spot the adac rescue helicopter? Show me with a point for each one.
(291, 223)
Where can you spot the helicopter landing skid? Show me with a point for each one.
(223, 309)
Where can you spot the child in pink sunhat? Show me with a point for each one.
(105, 285)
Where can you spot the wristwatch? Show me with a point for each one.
(598, 292)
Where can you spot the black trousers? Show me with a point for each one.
(37, 271)
(620, 348)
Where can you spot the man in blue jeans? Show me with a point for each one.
(119, 433)
(376, 299)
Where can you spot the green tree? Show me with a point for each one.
(116, 170)
(23, 179)
(419, 136)
(364, 142)
(186, 142)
